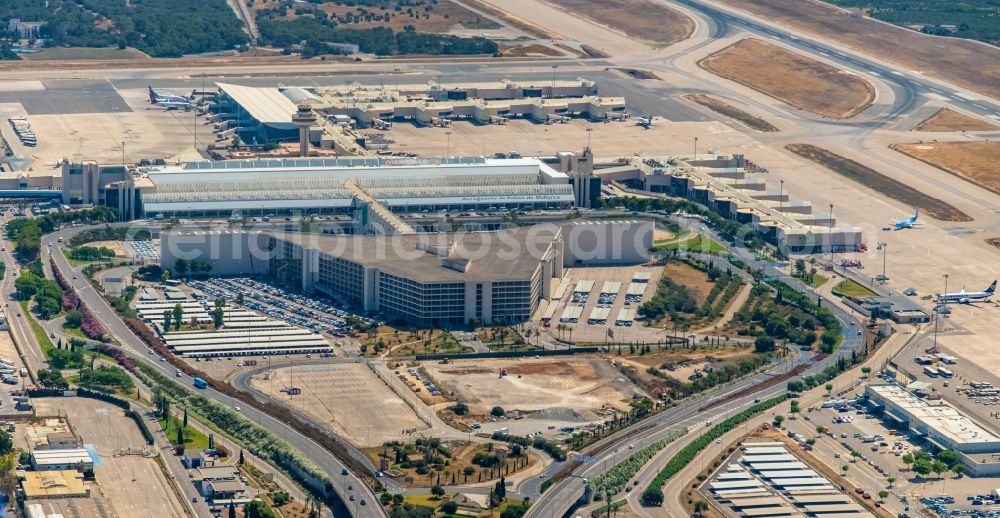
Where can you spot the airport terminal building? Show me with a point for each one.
(422, 279)
(351, 186)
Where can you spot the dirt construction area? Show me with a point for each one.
(134, 485)
(793, 78)
(652, 22)
(348, 396)
(972, 161)
(951, 120)
(566, 389)
(882, 184)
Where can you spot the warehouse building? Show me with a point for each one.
(943, 426)
(423, 279)
(59, 460)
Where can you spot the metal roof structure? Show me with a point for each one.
(267, 105)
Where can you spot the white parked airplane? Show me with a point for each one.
(168, 105)
(645, 122)
(964, 298)
(158, 97)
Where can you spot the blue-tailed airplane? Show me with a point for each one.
(964, 298)
(908, 222)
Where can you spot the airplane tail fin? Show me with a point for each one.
(152, 96)
(992, 287)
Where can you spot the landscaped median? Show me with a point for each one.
(614, 480)
(653, 494)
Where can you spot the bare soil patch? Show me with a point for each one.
(884, 185)
(639, 19)
(732, 112)
(581, 384)
(950, 120)
(969, 64)
(972, 161)
(793, 78)
(690, 277)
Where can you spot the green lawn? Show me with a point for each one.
(697, 243)
(36, 328)
(849, 288)
(817, 280)
(193, 439)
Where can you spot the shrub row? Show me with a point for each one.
(688, 453)
(615, 479)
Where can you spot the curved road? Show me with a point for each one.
(558, 499)
(117, 328)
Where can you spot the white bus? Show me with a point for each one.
(945, 373)
(931, 371)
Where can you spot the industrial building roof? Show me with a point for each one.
(267, 105)
(58, 457)
(943, 418)
(53, 484)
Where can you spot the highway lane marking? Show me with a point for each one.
(936, 96)
(874, 73)
(935, 90)
(824, 54)
(777, 38)
(895, 72)
(980, 107)
(994, 117)
(969, 97)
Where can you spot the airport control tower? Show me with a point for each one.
(304, 119)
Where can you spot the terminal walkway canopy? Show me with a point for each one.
(267, 106)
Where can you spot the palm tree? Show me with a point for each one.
(700, 507)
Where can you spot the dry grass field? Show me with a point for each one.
(968, 64)
(880, 183)
(972, 161)
(950, 120)
(793, 78)
(652, 22)
(445, 16)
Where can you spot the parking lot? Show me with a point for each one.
(879, 455)
(312, 312)
(601, 303)
(348, 396)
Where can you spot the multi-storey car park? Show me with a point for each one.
(421, 279)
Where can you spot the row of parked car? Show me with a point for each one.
(312, 313)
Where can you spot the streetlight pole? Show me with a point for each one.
(937, 312)
(589, 130)
(781, 196)
(448, 144)
(695, 147)
(553, 87)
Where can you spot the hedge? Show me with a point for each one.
(688, 453)
(615, 479)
